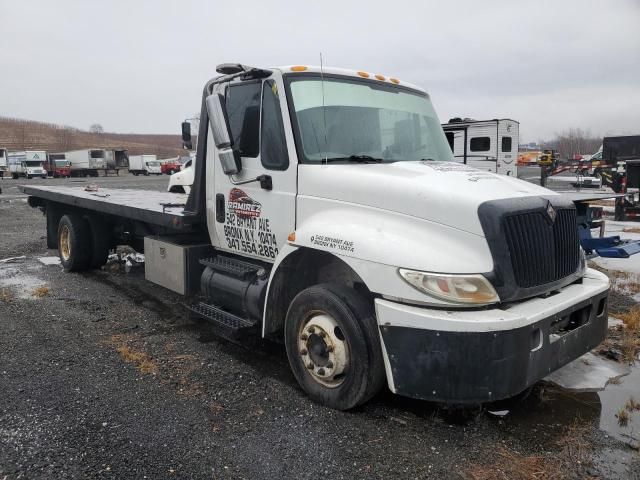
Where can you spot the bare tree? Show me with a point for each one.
(96, 128)
(574, 141)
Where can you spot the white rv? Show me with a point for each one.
(27, 164)
(144, 164)
(87, 162)
(4, 167)
(490, 145)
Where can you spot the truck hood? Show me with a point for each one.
(448, 193)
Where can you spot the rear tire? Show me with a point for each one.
(15, 176)
(100, 241)
(74, 242)
(53, 222)
(333, 346)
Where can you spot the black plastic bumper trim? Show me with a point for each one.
(478, 367)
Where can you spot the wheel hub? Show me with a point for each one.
(65, 242)
(323, 350)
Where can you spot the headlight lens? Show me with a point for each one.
(473, 289)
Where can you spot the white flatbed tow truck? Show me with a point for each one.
(328, 211)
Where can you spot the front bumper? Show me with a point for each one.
(478, 356)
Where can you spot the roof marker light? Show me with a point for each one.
(394, 80)
(292, 237)
(363, 74)
(379, 77)
(299, 68)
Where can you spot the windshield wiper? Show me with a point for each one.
(355, 159)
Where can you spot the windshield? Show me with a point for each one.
(61, 163)
(153, 164)
(33, 163)
(364, 120)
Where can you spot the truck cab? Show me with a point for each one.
(27, 164)
(327, 210)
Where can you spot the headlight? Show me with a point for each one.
(473, 289)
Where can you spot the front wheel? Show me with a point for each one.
(333, 346)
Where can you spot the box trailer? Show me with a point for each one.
(116, 160)
(490, 145)
(4, 166)
(144, 165)
(328, 211)
(28, 164)
(86, 162)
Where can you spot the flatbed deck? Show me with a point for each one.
(158, 208)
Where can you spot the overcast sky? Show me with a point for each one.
(139, 66)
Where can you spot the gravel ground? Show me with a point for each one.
(104, 375)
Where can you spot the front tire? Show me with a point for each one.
(333, 346)
(74, 242)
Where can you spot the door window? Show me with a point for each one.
(274, 155)
(243, 111)
(506, 144)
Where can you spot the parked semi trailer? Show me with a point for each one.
(328, 210)
(116, 160)
(4, 166)
(27, 164)
(86, 162)
(144, 165)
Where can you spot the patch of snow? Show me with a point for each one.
(589, 373)
(49, 260)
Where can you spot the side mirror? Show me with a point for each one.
(219, 124)
(186, 136)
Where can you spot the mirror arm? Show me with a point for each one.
(265, 181)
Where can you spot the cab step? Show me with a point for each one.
(232, 266)
(221, 318)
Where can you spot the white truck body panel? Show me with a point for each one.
(140, 163)
(183, 178)
(4, 166)
(88, 159)
(491, 145)
(29, 163)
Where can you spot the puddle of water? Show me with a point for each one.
(21, 283)
(614, 400)
(589, 391)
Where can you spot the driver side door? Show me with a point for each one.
(252, 220)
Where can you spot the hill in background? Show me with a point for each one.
(17, 134)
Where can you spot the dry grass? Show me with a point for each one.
(632, 230)
(632, 405)
(129, 354)
(623, 417)
(511, 465)
(631, 319)
(6, 296)
(141, 360)
(41, 292)
(17, 134)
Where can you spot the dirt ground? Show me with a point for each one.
(104, 375)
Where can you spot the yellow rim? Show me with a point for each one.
(65, 242)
